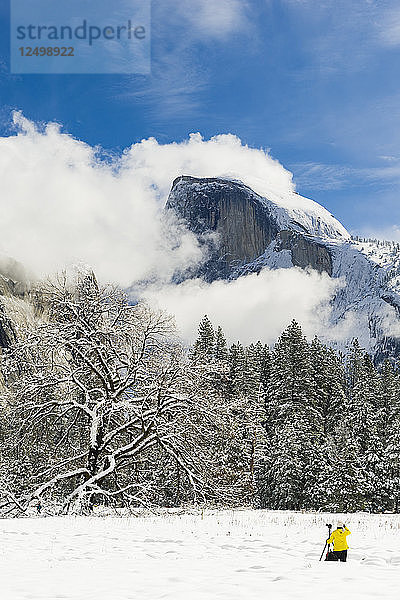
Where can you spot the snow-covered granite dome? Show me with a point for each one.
(285, 231)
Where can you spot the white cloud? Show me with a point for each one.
(215, 19)
(251, 308)
(322, 176)
(179, 75)
(221, 156)
(341, 34)
(389, 26)
(60, 203)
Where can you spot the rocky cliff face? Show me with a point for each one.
(305, 251)
(245, 224)
(250, 232)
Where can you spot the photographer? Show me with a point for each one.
(338, 538)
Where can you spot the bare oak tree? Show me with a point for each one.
(98, 388)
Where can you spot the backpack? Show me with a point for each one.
(330, 555)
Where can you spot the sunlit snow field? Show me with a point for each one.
(218, 554)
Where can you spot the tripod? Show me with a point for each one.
(329, 526)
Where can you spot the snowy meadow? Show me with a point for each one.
(210, 554)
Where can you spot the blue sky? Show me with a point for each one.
(317, 82)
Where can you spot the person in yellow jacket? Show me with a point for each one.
(338, 538)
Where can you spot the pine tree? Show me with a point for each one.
(252, 386)
(293, 426)
(220, 366)
(344, 482)
(361, 405)
(389, 396)
(204, 345)
(330, 384)
(237, 366)
(361, 417)
(265, 374)
(220, 346)
(390, 433)
(284, 483)
(291, 390)
(392, 466)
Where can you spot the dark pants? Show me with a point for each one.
(340, 555)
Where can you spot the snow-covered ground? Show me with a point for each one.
(189, 556)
